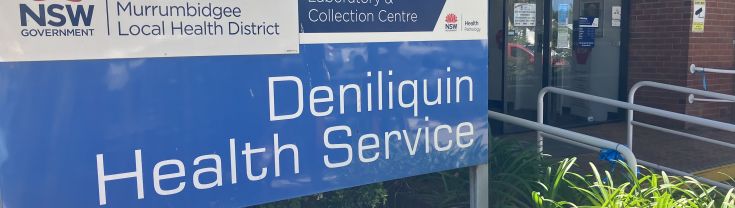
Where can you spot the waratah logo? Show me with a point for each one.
(451, 18)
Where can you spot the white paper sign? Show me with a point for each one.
(616, 16)
(524, 15)
(105, 29)
(699, 10)
(563, 37)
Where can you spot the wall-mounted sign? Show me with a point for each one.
(617, 12)
(90, 29)
(699, 11)
(524, 15)
(586, 31)
(563, 30)
(595, 9)
(236, 131)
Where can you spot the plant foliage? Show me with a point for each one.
(563, 188)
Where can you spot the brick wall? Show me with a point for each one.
(662, 48)
(659, 48)
(714, 49)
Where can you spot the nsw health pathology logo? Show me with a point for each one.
(56, 18)
(450, 22)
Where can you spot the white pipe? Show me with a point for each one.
(643, 109)
(678, 133)
(693, 99)
(645, 163)
(540, 119)
(591, 143)
(634, 89)
(675, 88)
(574, 136)
(694, 69)
(572, 142)
(682, 173)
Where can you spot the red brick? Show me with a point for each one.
(662, 47)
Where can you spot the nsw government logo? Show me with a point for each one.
(450, 22)
(56, 18)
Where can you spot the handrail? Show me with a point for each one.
(682, 173)
(694, 69)
(683, 134)
(634, 89)
(719, 97)
(692, 99)
(594, 144)
(628, 106)
(631, 106)
(570, 135)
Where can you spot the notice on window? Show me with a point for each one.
(587, 31)
(699, 9)
(616, 15)
(524, 15)
(563, 30)
(87, 29)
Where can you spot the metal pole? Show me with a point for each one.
(574, 136)
(692, 99)
(642, 109)
(682, 173)
(634, 90)
(540, 117)
(678, 133)
(693, 69)
(680, 89)
(479, 186)
(629, 123)
(572, 142)
(593, 143)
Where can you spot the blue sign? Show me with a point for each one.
(325, 16)
(234, 131)
(586, 32)
(563, 15)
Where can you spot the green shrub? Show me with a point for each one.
(446, 189)
(515, 170)
(562, 188)
(368, 196)
(520, 177)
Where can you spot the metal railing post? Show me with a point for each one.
(629, 119)
(631, 99)
(540, 119)
(570, 135)
(694, 69)
(682, 173)
(631, 107)
(479, 186)
(640, 108)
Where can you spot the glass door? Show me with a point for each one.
(523, 58)
(585, 57)
(571, 44)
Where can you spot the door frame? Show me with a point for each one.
(545, 50)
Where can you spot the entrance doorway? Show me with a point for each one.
(570, 44)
